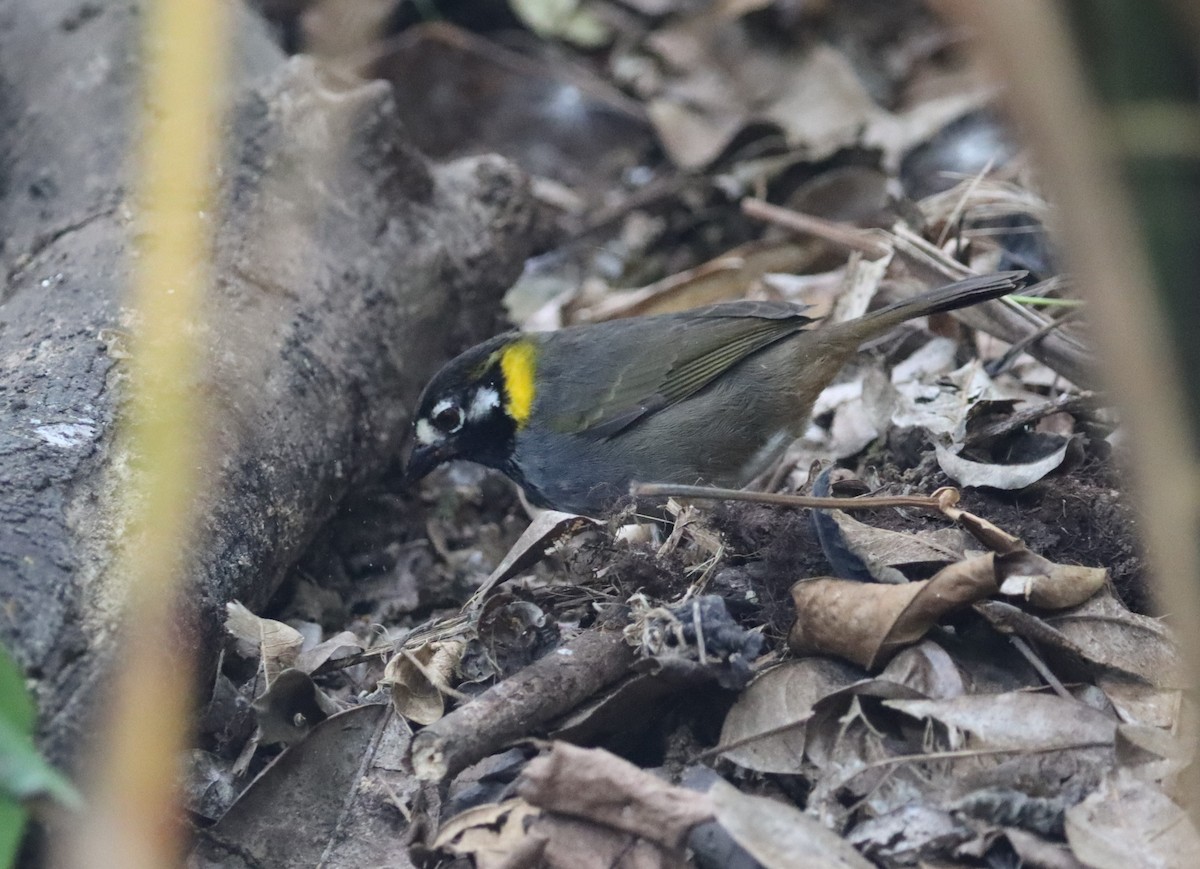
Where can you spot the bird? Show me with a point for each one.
(707, 396)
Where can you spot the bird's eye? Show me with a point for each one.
(448, 420)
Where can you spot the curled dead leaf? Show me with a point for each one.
(274, 642)
(340, 645)
(927, 668)
(1045, 584)
(868, 623)
(490, 833)
(420, 678)
(597, 785)
(320, 802)
(878, 553)
(291, 707)
(993, 476)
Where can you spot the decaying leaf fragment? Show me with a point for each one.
(781, 836)
(544, 533)
(765, 730)
(868, 622)
(275, 643)
(995, 476)
(340, 645)
(1108, 632)
(330, 800)
(881, 552)
(492, 833)
(909, 835)
(291, 707)
(1016, 720)
(601, 787)
(419, 679)
(580, 808)
(1126, 824)
(1045, 584)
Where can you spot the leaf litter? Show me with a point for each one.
(961, 684)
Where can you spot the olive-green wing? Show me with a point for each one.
(673, 359)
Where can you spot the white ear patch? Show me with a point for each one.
(485, 401)
(427, 434)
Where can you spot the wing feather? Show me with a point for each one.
(709, 343)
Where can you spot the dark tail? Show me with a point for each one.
(951, 297)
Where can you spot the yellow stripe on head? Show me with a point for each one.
(518, 363)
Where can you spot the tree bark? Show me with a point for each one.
(346, 269)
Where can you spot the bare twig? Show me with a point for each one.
(862, 240)
(935, 502)
(1070, 402)
(516, 707)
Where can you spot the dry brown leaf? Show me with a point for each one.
(274, 642)
(321, 802)
(781, 836)
(1151, 753)
(1124, 668)
(419, 679)
(934, 395)
(719, 78)
(1140, 703)
(927, 668)
(1126, 824)
(1045, 584)
(765, 729)
(601, 787)
(573, 843)
(849, 749)
(491, 833)
(1109, 633)
(883, 552)
(862, 413)
(548, 529)
(910, 835)
(1036, 853)
(1016, 720)
(340, 645)
(867, 623)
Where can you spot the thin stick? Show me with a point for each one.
(935, 502)
(1038, 664)
(550, 686)
(805, 224)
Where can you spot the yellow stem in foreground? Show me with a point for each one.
(134, 820)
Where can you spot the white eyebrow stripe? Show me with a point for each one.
(426, 433)
(485, 401)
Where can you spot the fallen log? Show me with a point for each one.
(346, 269)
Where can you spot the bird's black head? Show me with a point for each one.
(473, 408)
